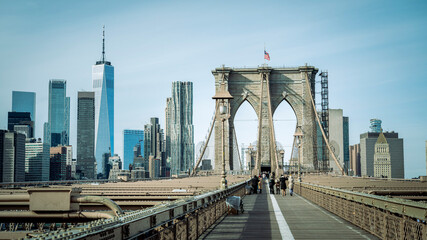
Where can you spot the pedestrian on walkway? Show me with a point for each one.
(283, 184)
(271, 185)
(260, 182)
(291, 185)
(277, 186)
(255, 184)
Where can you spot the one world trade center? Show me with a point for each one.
(103, 86)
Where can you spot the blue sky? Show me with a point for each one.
(375, 52)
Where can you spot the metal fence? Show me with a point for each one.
(183, 219)
(195, 223)
(386, 218)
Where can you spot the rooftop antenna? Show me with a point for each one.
(103, 43)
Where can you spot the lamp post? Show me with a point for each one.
(222, 95)
(282, 154)
(299, 135)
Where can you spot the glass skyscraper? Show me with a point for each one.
(24, 102)
(130, 139)
(59, 113)
(103, 86)
(46, 133)
(66, 138)
(346, 143)
(17, 120)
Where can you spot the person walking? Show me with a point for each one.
(291, 185)
(277, 186)
(271, 185)
(283, 184)
(260, 182)
(255, 184)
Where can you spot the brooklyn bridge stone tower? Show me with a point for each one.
(265, 88)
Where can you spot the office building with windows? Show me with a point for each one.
(58, 162)
(86, 134)
(130, 139)
(382, 160)
(24, 102)
(354, 164)
(168, 112)
(12, 156)
(46, 133)
(339, 139)
(367, 153)
(181, 129)
(154, 145)
(59, 113)
(37, 160)
(20, 122)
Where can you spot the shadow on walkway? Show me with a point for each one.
(257, 222)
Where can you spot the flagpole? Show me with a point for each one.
(264, 53)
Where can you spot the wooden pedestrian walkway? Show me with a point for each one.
(270, 216)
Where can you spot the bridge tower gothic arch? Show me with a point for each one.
(265, 88)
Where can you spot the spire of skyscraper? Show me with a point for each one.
(103, 60)
(103, 43)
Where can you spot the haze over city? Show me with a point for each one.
(373, 51)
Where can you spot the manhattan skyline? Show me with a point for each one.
(372, 50)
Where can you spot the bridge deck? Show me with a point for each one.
(303, 221)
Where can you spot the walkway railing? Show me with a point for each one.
(183, 219)
(387, 218)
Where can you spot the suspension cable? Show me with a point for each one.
(237, 146)
(207, 141)
(272, 135)
(258, 156)
(292, 152)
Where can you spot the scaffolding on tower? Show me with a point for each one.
(324, 117)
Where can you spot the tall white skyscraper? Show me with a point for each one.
(339, 139)
(103, 86)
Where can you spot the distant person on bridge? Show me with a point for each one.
(271, 184)
(283, 184)
(291, 185)
(255, 184)
(260, 182)
(277, 186)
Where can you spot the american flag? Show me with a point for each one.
(266, 55)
